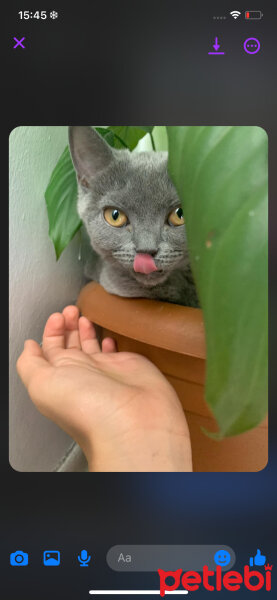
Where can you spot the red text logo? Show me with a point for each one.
(216, 580)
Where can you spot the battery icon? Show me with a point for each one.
(253, 14)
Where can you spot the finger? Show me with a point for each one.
(89, 342)
(109, 345)
(71, 318)
(32, 348)
(30, 360)
(53, 335)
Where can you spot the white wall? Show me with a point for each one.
(38, 286)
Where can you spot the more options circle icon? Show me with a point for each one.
(252, 45)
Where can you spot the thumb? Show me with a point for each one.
(258, 552)
(30, 361)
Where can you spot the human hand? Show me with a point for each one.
(116, 405)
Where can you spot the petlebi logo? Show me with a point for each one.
(216, 580)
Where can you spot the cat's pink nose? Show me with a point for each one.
(144, 263)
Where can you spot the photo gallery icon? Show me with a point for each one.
(51, 558)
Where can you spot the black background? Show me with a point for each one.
(136, 62)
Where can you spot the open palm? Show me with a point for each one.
(101, 397)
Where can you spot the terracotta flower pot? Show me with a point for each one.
(172, 337)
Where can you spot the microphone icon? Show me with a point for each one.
(84, 558)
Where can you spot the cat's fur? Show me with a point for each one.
(139, 185)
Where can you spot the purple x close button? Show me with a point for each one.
(19, 42)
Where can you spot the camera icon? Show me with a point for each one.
(19, 558)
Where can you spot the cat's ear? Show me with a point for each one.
(90, 153)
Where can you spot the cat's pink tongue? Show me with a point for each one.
(144, 263)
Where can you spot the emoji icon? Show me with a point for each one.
(222, 558)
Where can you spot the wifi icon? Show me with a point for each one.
(235, 13)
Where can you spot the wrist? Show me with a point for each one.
(142, 451)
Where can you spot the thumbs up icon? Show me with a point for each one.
(258, 560)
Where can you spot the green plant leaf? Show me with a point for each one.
(111, 137)
(221, 176)
(147, 128)
(61, 199)
(129, 135)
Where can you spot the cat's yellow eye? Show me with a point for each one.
(176, 217)
(115, 217)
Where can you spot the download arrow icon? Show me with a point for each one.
(216, 45)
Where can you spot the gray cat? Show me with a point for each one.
(134, 220)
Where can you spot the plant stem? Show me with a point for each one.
(152, 141)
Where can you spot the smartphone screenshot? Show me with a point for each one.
(139, 424)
